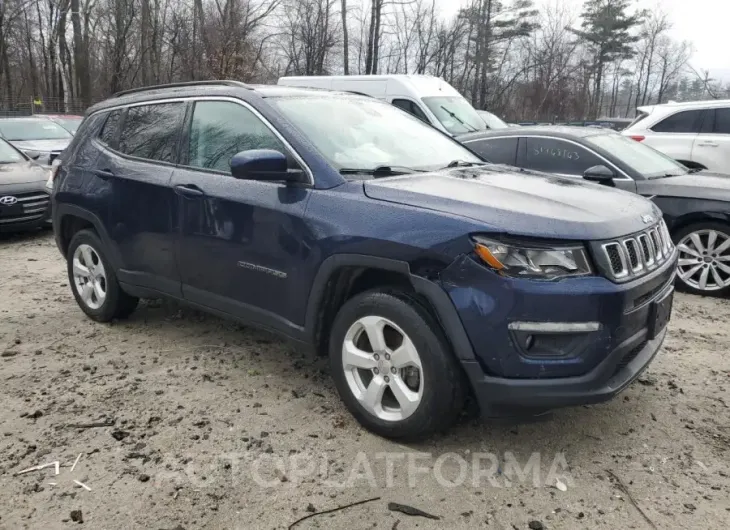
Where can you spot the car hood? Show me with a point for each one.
(21, 173)
(521, 202)
(702, 185)
(43, 146)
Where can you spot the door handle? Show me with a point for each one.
(708, 144)
(189, 190)
(103, 173)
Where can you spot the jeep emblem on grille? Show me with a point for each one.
(648, 219)
(8, 200)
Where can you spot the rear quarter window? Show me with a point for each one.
(497, 150)
(110, 130)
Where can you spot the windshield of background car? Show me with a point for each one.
(70, 124)
(8, 155)
(646, 161)
(491, 120)
(455, 114)
(364, 133)
(27, 130)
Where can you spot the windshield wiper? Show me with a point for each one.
(381, 171)
(463, 163)
(694, 170)
(467, 125)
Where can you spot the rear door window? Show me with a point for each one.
(553, 155)
(688, 121)
(496, 150)
(152, 131)
(722, 121)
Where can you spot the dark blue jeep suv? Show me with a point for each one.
(345, 224)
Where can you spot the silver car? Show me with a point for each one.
(39, 138)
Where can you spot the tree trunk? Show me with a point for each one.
(345, 38)
(144, 37)
(81, 56)
(376, 40)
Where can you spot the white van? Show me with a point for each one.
(430, 99)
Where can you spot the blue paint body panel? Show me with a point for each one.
(263, 252)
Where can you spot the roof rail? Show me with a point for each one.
(224, 82)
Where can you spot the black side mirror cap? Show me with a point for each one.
(600, 174)
(265, 165)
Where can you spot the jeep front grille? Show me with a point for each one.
(638, 254)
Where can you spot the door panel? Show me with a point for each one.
(144, 221)
(675, 134)
(711, 148)
(240, 240)
(144, 206)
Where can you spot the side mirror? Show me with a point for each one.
(600, 174)
(263, 164)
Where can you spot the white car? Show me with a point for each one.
(696, 133)
(430, 99)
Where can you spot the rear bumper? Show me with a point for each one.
(618, 370)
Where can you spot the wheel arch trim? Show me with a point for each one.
(438, 299)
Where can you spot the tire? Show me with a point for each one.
(434, 399)
(105, 300)
(696, 265)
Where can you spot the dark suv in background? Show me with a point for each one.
(695, 202)
(347, 225)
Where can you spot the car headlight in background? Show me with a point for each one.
(527, 260)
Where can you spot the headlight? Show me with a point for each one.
(526, 260)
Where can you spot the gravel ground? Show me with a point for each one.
(212, 425)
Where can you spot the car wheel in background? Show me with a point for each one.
(93, 281)
(393, 368)
(704, 258)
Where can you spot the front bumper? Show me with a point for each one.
(541, 345)
(32, 210)
(497, 396)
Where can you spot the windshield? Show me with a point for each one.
(27, 130)
(455, 114)
(641, 158)
(491, 120)
(364, 133)
(70, 124)
(8, 155)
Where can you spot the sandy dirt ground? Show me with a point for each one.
(212, 425)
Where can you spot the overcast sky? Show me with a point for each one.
(703, 22)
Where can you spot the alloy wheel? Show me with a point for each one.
(89, 276)
(704, 260)
(382, 368)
